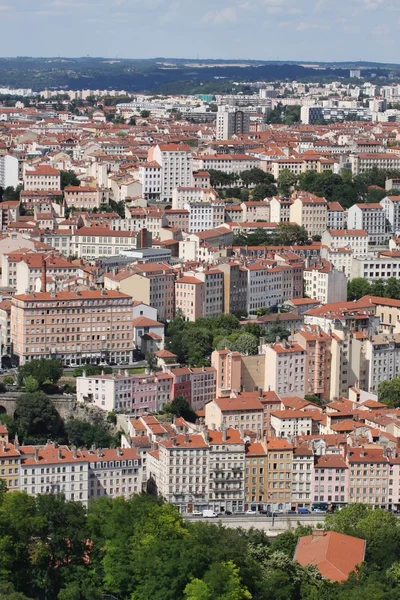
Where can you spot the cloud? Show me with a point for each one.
(218, 17)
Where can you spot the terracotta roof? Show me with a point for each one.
(334, 554)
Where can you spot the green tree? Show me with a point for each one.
(83, 434)
(221, 582)
(389, 392)
(286, 180)
(36, 418)
(132, 121)
(357, 288)
(276, 330)
(68, 178)
(42, 370)
(151, 361)
(31, 384)
(145, 114)
(264, 190)
(246, 344)
(180, 407)
(289, 233)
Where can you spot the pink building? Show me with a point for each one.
(331, 479)
(189, 297)
(150, 392)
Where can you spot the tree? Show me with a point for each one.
(221, 582)
(42, 370)
(357, 288)
(31, 384)
(264, 190)
(286, 180)
(151, 361)
(132, 121)
(180, 407)
(83, 434)
(289, 233)
(313, 398)
(145, 114)
(389, 392)
(37, 419)
(276, 330)
(11, 193)
(68, 178)
(246, 344)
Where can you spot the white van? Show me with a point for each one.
(209, 514)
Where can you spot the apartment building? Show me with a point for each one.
(193, 195)
(256, 474)
(29, 272)
(176, 167)
(5, 327)
(235, 287)
(356, 240)
(231, 121)
(370, 218)
(179, 471)
(10, 461)
(360, 163)
(85, 197)
(9, 171)
(331, 479)
(280, 209)
(311, 212)
(226, 470)
(150, 283)
(291, 423)
(150, 176)
(325, 283)
(42, 177)
(279, 479)
(228, 369)
(189, 297)
(383, 356)
(285, 368)
(108, 392)
(317, 374)
(335, 216)
(391, 209)
(228, 163)
(197, 385)
(340, 258)
(369, 476)
(74, 327)
(96, 242)
(302, 477)
(242, 410)
(380, 267)
(203, 216)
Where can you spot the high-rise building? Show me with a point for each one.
(8, 171)
(231, 121)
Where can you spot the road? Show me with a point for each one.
(272, 525)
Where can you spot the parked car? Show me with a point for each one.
(209, 514)
(267, 513)
(197, 513)
(228, 513)
(304, 511)
(250, 512)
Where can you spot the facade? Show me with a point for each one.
(369, 476)
(74, 327)
(243, 410)
(356, 240)
(302, 477)
(42, 177)
(87, 198)
(311, 212)
(176, 167)
(370, 218)
(335, 216)
(231, 122)
(285, 368)
(324, 283)
(331, 479)
(391, 209)
(9, 172)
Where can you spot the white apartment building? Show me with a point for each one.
(179, 471)
(356, 240)
(290, 423)
(391, 208)
(383, 356)
(191, 195)
(360, 163)
(229, 163)
(378, 267)
(150, 176)
(42, 177)
(231, 121)
(302, 469)
(95, 242)
(310, 212)
(370, 218)
(226, 470)
(325, 284)
(280, 210)
(9, 173)
(335, 216)
(285, 368)
(264, 287)
(108, 392)
(176, 164)
(340, 258)
(204, 216)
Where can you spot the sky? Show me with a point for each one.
(305, 30)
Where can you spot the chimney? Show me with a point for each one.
(187, 438)
(99, 453)
(224, 433)
(119, 452)
(36, 454)
(44, 276)
(317, 534)
(59, 454)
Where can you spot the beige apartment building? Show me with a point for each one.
(74, 327)
(317, 374)
(311, 212)
(244, 411)
(95, 242)
(279, 478)
(369, 476)
(85, 197)
(228, 367)
(256, 474)
(189, 297)
(150, 283)
(43, 177)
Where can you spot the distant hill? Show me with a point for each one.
(168, 75)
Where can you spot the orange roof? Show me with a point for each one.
(334, 554)
(84, 295)
(233, 436)
(240, 403)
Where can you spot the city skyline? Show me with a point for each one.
(280, 29)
